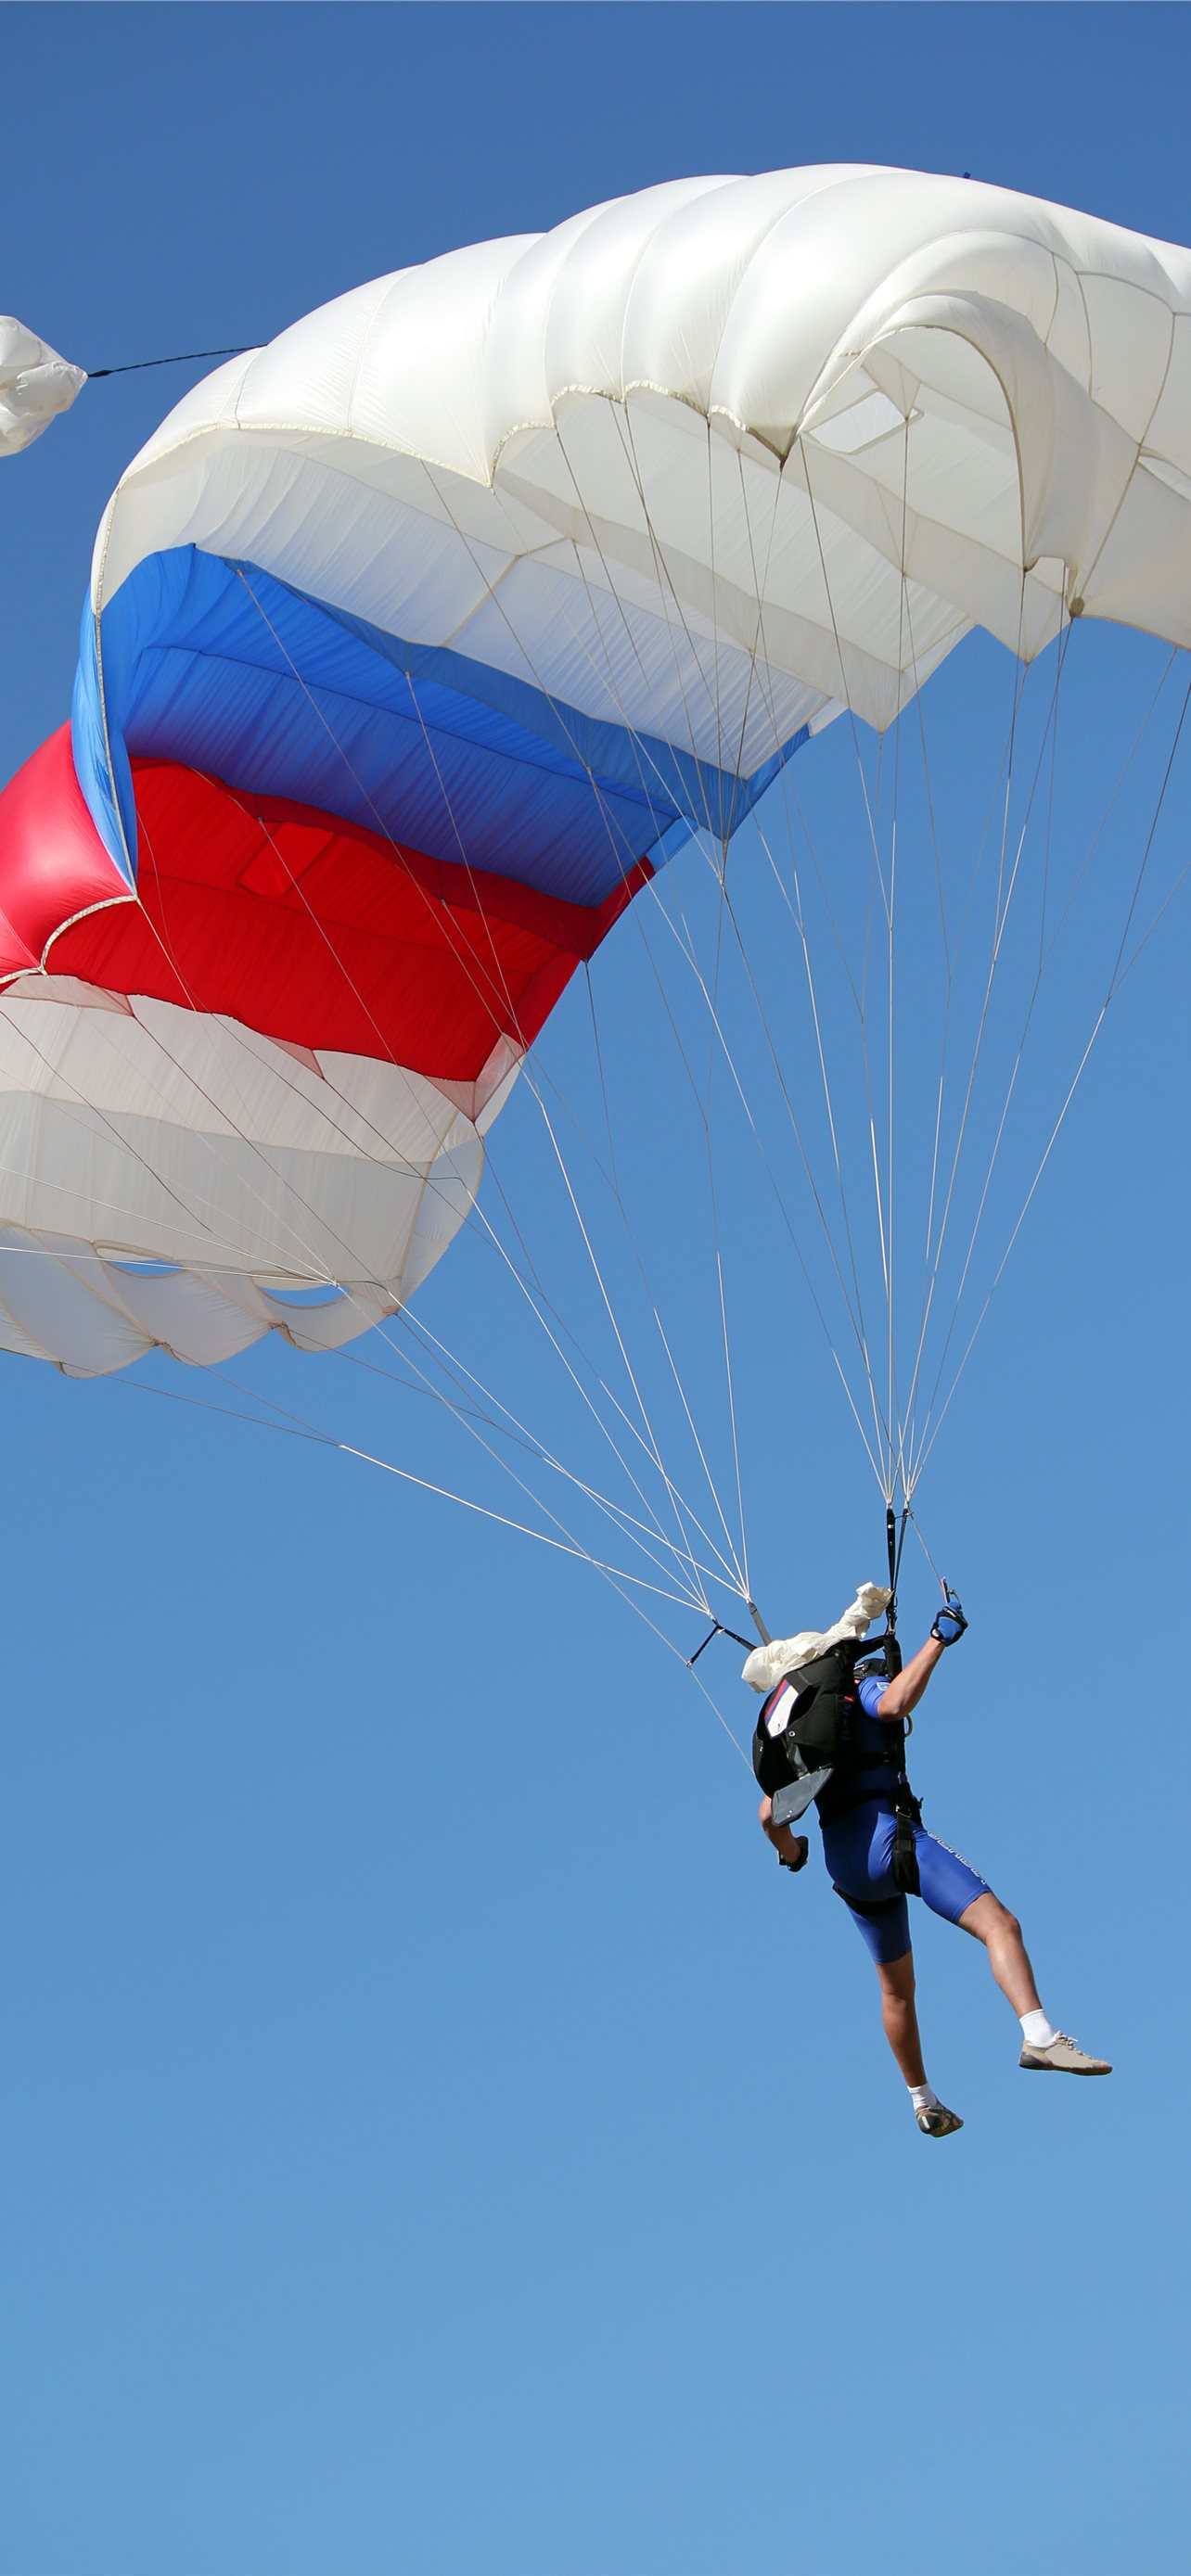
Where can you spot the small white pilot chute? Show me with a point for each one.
(35, 385)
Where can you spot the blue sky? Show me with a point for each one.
(439, 2141)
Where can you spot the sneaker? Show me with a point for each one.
(1064, 2057)
(938, 2122)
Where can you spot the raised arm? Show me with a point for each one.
(903, 1694)
(905, 1691)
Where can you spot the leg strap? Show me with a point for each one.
(866, 1904)
(904, 1857)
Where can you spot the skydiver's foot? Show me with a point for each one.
(1064, 2057)
(937, 2121)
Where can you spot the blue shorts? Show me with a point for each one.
(858, 1851)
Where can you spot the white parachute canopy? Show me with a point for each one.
(713, 461)
(422, 640)
(35, 385)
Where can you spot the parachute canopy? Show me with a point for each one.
(419, 639)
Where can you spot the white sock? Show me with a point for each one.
(923, 2097)
(1036, 2030)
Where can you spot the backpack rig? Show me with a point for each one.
(813, 1753)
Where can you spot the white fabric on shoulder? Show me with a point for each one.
(763, 1669)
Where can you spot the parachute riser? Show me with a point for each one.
(895, 1540)
(717, 1629)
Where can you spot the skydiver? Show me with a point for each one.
(858, 1816)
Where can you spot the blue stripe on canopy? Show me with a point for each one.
(224, 668)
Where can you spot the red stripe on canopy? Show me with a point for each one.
(304, 927)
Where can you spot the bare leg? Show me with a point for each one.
(900, 2018)
(789, 1847)
(991, 1922)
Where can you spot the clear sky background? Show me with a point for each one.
(439, 2142)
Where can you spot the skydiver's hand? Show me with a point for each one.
(950, 1622)
(793, 1850)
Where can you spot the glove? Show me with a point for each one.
(950, 1623)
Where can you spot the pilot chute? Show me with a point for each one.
(35, 385)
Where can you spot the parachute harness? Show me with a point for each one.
(907, 1808)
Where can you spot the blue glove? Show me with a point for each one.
(950, 1622)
